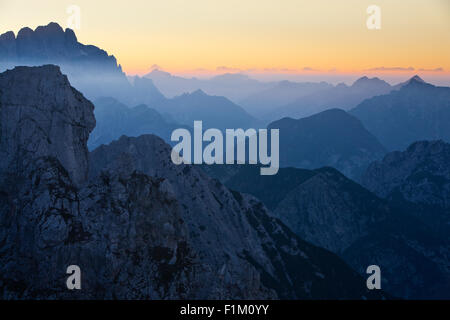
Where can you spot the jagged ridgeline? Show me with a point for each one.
(89, 68)
(138, 226)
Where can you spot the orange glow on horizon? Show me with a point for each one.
(255, 36)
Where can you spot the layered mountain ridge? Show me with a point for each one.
(138, 226)
(329, 210)
(416, 111)
(329, 138)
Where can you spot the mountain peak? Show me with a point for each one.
(416, 78)
(365, 81)
(51, 29)
(159, 73)
(198, 93)
(24, 33)
(7, 36)
(416, 82)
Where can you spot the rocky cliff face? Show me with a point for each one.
(419, 178)
(421, 174)
(42, 115)
(139, 227)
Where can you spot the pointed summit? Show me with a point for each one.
(198, 93)
(416, 78)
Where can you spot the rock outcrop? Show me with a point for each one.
(418, 178)
(43, 116)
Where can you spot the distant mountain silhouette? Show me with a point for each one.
(280, 94)
(330, 138)
(234, 86)
(214, 111)
(115, 119)
(401, 84)
(89, 68)
(341, 96)
(416, 111)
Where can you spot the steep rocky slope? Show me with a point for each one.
(139, 227)
(419, 178)
(325, 208)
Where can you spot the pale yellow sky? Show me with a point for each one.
(183, 35)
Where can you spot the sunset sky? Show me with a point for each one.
(255, 36)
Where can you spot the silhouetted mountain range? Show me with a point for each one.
(115, 119)
(214, 111)
(417, 111)
(341, 96)
(330, 138)
(234, 86)
(280, 94)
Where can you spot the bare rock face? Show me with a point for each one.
(417, 178)
(140, 227)
(43, 116)
(333, 212)
(421, 174)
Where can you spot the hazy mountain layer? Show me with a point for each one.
(214, 111)
(234, 86)
(278, 95)
(417, 111)
(330, 138)
(341, 96)
(115, 119)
